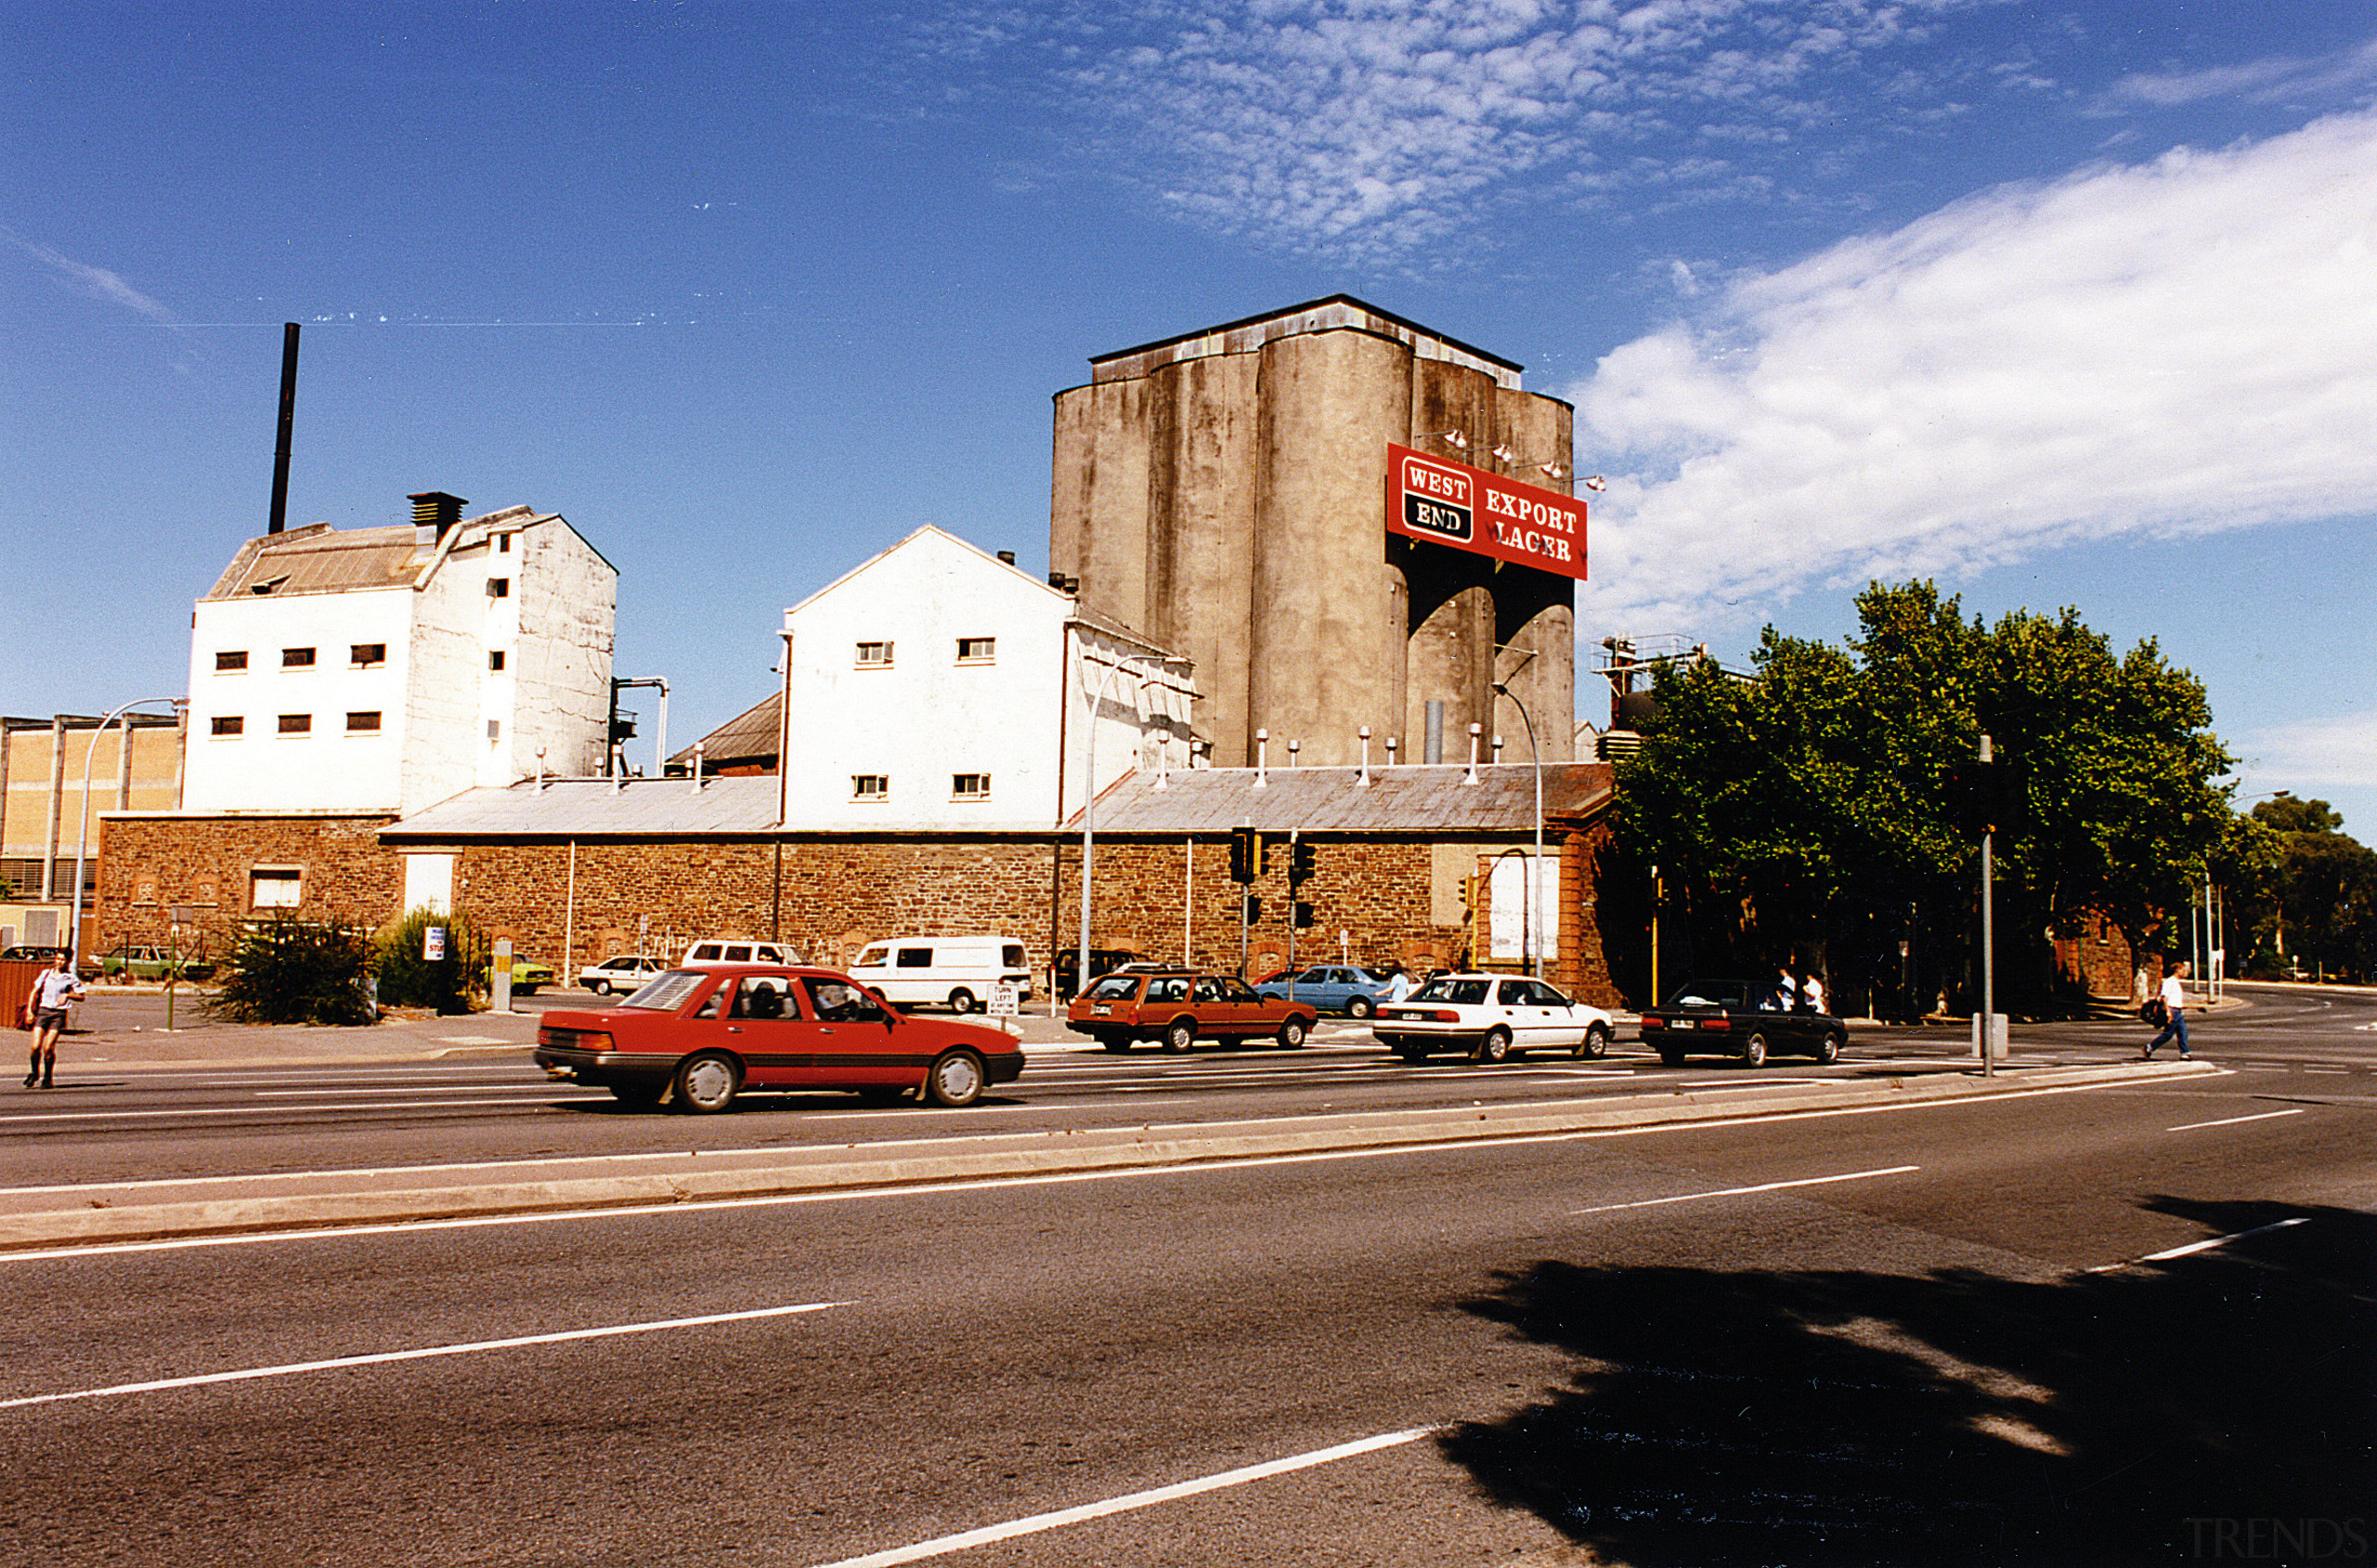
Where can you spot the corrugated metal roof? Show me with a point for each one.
(1401, 799)
(597, 809)
(328, 562)
(753, 732)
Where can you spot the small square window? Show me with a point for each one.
(296, 723)
(297, 658)
(495, 729)
(226, 724)
(275, 887)
(977, 650)
(230, 659)
(363, 723)
(870, 786)
(495, 658)
(498, 588)
(874, 652)
(365, 655)
(970, 786)
(503, 544)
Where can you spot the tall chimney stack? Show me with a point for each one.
(288, 422)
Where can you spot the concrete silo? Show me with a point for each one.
(1228, 493)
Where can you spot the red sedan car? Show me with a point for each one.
(696, 1039)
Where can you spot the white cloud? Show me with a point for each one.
(95, 281)
(2185, 344)
(2313, 754)
(2264, 81)
(1367, 130)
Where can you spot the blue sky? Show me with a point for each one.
(2060, 304)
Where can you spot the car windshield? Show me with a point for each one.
(667, 993)
(1460, 990)
(1115, 988)
(1707, 994)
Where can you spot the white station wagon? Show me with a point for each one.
(1492, 1018)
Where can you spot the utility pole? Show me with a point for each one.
(1988, 933)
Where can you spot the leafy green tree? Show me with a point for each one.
(1817, 800)
(2308, 898)
(287, 971)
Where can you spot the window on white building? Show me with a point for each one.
(363, 723)
(870, 786)
(366, 655)
(226, 724)
(495, 658)
(978, 650)
(970, 786)
(498, 588)
(874, 654)
(230, 659)
(495, 729)
(296, 723)
(276, 886)
(297, 658)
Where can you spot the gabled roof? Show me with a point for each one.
(320, 559)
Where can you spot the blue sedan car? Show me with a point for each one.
(1332, 988)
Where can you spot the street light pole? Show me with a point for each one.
(83, 837)
(1535, 868)
(1089, 798)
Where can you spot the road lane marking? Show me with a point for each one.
(2194, 1247)
(2233, 1120)
(982, 1183)
(1739, 1191)
(989, 1533)
(470, 1348)
(544, 1097)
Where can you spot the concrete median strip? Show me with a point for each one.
(150, 1211)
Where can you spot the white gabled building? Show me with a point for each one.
(938, 687)
(389, 668)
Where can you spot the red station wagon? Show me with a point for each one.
(696, 1039)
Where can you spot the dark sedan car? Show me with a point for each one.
(1745, 1019)
(698, 1038)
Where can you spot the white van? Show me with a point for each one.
(959, 971)
(737, 951)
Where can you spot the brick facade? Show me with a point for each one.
(1404, 898)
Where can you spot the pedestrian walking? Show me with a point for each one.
(1400, 986)
(54, 991)
(2173, 1000)
(1811, 992)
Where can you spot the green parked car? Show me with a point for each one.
(139, 961)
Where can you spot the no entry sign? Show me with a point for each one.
(1452, 503)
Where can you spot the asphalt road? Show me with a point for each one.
(2122, 1324)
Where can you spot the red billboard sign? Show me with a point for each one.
(1452, 503)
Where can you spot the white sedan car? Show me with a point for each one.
(625, 973)
(1492, 1018)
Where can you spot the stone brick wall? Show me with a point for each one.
(826, 897)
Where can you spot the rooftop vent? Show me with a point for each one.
(433, 512)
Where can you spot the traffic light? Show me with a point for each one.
(1252, 910)
(1246, 854)
(1304, 916)
(1988, 796)
(1301, 858)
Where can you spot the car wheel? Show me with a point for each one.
(1596, 1042)
(1358, 1007)
(1494, 1050)
(600, 988)
(1828, 1052)
(707, 1082)
(1754, 1050)
(1292, 1035)
(1180, 1036)
(524, 990)
(638, 1090)
(961, 1001)
(957, 1079)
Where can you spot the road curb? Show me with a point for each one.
(99, 1213)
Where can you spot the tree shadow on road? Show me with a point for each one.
(2216, 1408)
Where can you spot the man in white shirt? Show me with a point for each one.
(54, 991)
(2175, 1011)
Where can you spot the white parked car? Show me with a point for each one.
(736, 950)
(962, 973)
(1492, 1018)
(626, 972)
